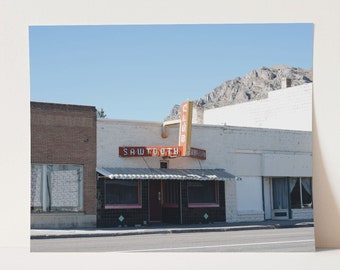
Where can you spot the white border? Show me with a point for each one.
(16, 16)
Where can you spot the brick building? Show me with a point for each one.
(63, 165)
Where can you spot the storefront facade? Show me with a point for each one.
(89, 172)
(262, 169)
(153, 182)
(63, 165)
(286, 173)
(288, 197)
(168, 198)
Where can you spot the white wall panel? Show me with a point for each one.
(289, 108)
(249, 194)
(287, 165)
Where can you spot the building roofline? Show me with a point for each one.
(49, 105)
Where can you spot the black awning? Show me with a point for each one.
(165, 174)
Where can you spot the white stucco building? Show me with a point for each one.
(289, 108)
(263, 148)
(274, 166)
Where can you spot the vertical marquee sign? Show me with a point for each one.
(185, 127)
(183, 149)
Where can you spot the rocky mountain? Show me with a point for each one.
(255, 85)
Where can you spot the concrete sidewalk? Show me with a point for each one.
(166, 229)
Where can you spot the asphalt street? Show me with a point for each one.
(274, 240)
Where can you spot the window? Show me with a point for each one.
(120, 194)
(170, 193)
(56, 188)
(300, 192)
(203, 194)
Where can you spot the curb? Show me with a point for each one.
(166, 231)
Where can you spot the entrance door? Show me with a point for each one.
(155, 201)
(280, 198)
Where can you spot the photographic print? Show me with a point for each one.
(168, 133)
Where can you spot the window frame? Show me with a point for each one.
(137, 205)
(205, 204)
(300, 193)
(46, 171)
(175, 189)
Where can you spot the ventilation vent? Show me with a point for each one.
(280, 214)
(164, 165)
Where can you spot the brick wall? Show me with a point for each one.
(36, 187)
(66, 134)
(231, 201)
(232, 212)
(305, 213)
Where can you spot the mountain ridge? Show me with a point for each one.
(254, 85)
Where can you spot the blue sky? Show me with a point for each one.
(138, 72)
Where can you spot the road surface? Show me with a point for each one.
(269, 240)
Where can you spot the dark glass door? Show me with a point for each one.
(155, 200)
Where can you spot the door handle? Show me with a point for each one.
(159, 195)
